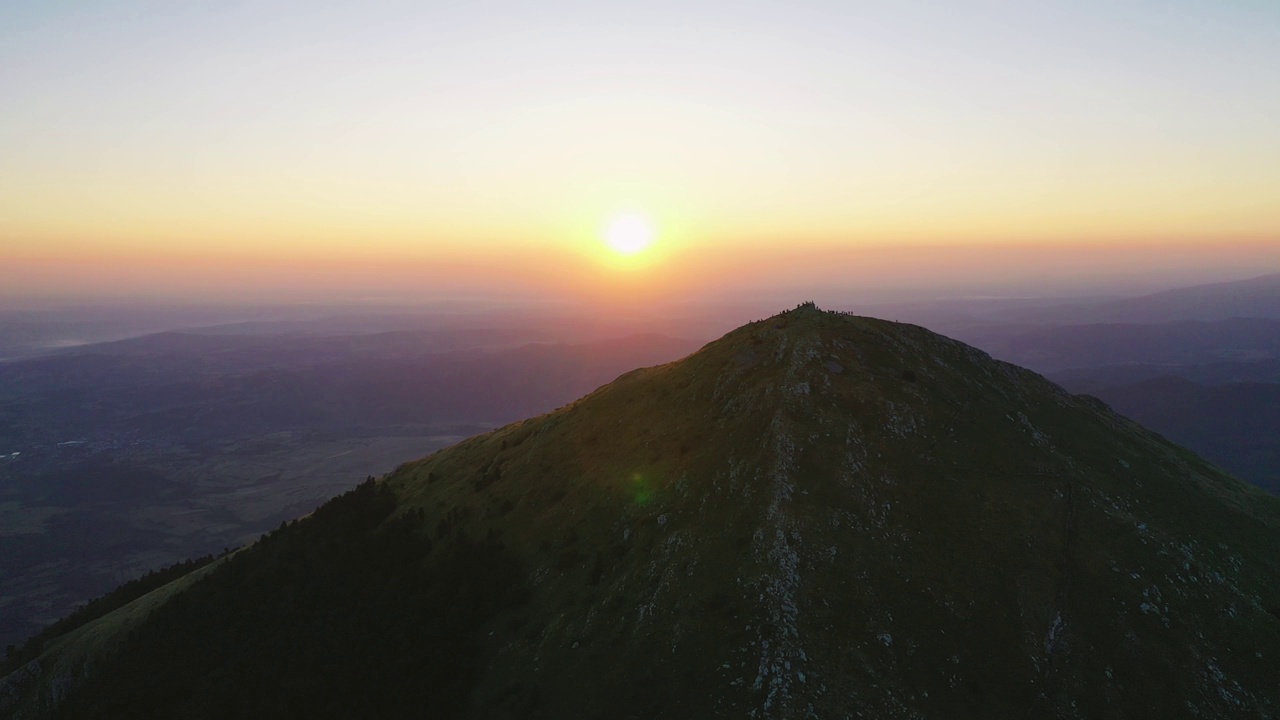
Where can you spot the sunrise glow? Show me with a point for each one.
(433, 146)
(629, 234)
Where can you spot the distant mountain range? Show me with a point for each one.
(817, 515)
(1057, 348)
(1256, 297)
(1092, 379)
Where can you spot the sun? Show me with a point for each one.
(629, 234)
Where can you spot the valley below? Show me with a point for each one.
(79, 519)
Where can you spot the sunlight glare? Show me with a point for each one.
(629, 234)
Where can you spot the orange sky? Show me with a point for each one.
(232, 151)
(775, 272)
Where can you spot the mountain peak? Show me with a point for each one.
(817, 514)
(816, 464)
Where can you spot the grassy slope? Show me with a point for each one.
(821, 513)
(67, 659)
(753, 513)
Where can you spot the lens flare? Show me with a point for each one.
(642, 491)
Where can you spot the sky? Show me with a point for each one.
(315, 149)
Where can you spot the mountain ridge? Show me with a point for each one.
(818, 514)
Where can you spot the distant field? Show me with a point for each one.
(57, 551)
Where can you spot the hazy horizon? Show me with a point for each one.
(872, 274)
